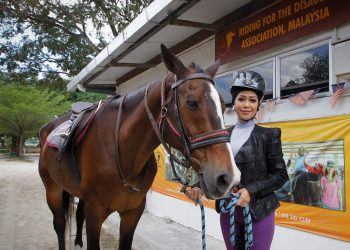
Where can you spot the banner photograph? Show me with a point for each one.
(316, 197)
(165, 181)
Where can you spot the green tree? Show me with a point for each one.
(316, 68)
(85, 97)
(24, 109)
(58, 38)
(57, 85)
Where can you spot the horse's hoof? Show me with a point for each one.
(78, 242)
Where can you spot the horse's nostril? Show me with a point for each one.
(221, 181)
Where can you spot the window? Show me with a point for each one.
(308, 69)
(286, 74)
(266, 71)
(224, 83)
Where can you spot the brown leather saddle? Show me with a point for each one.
(82, 115)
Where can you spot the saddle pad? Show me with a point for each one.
(54, 139)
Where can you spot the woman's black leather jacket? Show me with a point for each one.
(263, 170)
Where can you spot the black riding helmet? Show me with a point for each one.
(248, 80)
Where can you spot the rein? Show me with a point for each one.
(122, 177)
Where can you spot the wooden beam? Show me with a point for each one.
(202, 26)
(134, 65)
(102, 89)
(191, 41)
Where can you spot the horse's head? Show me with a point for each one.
(198, 118)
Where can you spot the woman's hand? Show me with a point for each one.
(194, 194)
(244, 197)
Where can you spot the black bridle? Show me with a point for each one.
(189, 143)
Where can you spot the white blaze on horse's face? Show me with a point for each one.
(215, 97)
(236, 173)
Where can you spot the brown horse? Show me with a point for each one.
(116, 161)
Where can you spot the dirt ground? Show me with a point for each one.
(26, 221)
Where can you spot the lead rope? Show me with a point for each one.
(204, 246)
(228, 204)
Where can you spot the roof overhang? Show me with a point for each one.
(178, 24)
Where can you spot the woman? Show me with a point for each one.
(258, 154)
(331, 188)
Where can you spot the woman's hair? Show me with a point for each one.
(238, 90)
(334, 172)
(301, 150)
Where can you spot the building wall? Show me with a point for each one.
(202, 54)
(185, 212)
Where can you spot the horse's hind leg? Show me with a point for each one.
(128, 223)
(58, 202)
(80, 217)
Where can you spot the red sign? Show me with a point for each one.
(281, 23)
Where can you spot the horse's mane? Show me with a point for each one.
(197, 68)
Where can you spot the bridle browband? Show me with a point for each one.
(189, 143)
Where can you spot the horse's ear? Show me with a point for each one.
(222, 102)
(173, 63)
(212, 69)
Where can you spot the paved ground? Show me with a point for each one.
(26, 221)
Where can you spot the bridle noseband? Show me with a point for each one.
(189, 143)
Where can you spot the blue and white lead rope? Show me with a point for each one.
(204, 246)
(228, 204)
(225, 207)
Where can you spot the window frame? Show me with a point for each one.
(276, 64)
(297, 51)
(258, 63)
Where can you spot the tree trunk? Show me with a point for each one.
(20, 146)
(13, 150)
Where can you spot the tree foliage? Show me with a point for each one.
(85, 97)
(24, 109)
(316, 68)
(56, 37)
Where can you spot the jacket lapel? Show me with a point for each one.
(246, 151)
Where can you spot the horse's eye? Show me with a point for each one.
(192, 104)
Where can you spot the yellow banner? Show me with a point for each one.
(316, 197)
(165, 182)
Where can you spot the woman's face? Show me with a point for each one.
(246, 105)
(330, 170)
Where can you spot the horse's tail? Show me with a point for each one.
(68, 206)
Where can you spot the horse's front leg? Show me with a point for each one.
(80, 217)
(128, 223)
(95, 215)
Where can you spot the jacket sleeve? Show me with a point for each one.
(275, 164)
